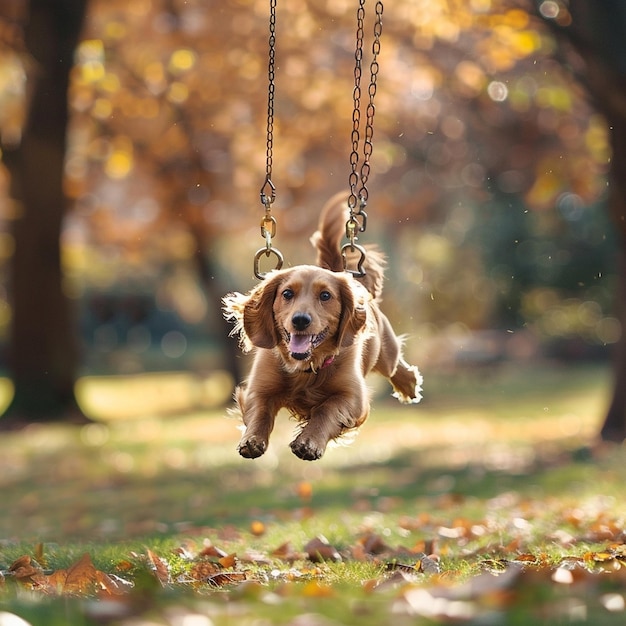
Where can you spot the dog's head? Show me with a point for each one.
(307, 312)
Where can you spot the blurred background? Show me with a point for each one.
(487, 188)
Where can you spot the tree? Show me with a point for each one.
(592, 34)
(43, 356)
(474, 117)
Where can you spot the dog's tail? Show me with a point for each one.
(327, 240)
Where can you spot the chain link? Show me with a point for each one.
(368, 147)
(357, 222)
(268, 189)
(355, 137)
(268, 186)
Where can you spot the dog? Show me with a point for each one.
(316, 332)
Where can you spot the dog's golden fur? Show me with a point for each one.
(317, 332)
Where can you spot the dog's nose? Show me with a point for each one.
(301, 320)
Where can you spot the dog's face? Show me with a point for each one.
(307, 312)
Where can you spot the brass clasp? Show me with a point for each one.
(266, 251)
(359, 272)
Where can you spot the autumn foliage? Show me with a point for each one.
(474, 119)
(415, 579)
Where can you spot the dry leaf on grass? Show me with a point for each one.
(160, 567)
(319, 550)
(285, 552)
(226, 578)
(26, 570)
(80, 579)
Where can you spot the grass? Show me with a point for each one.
(490, 475)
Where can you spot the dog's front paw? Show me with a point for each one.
(307, 449)
(252, 447)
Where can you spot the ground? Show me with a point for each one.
(487, 503)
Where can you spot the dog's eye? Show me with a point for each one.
(325, 296)
(288, 294)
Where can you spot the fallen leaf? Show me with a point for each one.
(286, 553)
(430, 565)
(618, 549)
(82, 578)
(319, 550)
(495, 566)
(526, 558)
(402, 567)
(228, 561)
(399, 578)
(187, 552)
(124, 566)
(211, 550)
(204, 569)
(112, 585)
(159, 568)
(359, 553)
(226, 578)
(373, 543)
(599, 556)
(25, 570)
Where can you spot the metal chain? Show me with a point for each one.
(268, 186)
(353, 179)
(371, 109)
(268, 189)
(357, 222)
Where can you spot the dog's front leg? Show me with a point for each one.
(329, 421)
(258, 415)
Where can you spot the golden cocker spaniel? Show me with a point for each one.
(317, 332)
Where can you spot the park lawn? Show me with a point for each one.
(483, 505)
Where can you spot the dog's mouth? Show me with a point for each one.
(301, 345)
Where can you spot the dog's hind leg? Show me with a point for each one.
(407, 383)
(405, 378)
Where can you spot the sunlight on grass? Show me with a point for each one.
(142, 395)
(485, 475)
(175, 459)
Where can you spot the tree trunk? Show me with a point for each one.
(614, 427)
(597, 33)
(43, 354)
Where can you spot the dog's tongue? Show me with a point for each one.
(299, 344)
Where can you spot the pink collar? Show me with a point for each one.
(328, 361)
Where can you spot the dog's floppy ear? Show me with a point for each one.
(258, 315)
(353, 310)
(252, 314)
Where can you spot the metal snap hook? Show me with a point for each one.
(359, 272)
(266, 251)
